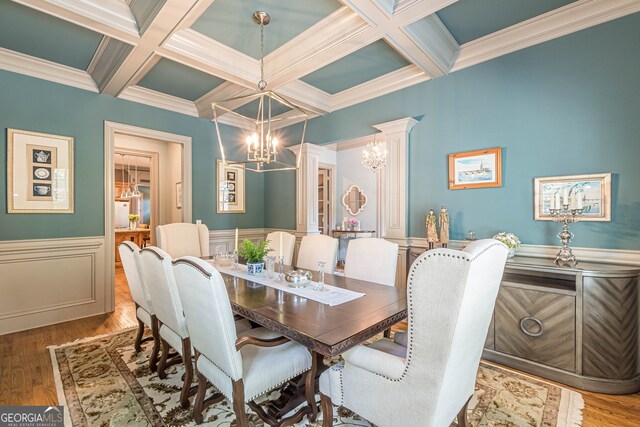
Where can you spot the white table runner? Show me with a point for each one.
(334, 295)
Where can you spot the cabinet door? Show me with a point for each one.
(536, 325)
(489, 343)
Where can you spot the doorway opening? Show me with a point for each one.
(147, 183)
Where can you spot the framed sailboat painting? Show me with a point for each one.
(475, 169)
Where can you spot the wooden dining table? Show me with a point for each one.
(325, 330)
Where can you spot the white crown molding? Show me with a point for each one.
(612, 256)
(348, 144)
(42, 69)
(109, 17)
(400, 126)
(391, 82)
(306, 96)
(159, 100)
(556, 23)
(426, 43)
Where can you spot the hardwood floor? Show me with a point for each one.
(26, 375)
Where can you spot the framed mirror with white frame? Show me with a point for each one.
(354, 200)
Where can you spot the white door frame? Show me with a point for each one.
(110, 131)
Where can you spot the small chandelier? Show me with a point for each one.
(374, 156)
(261, 142)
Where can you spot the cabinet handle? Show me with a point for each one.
(533, 319)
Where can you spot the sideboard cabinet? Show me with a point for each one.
(579, 326)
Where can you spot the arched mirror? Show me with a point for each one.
(354, 200)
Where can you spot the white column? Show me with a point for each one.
(395, 177)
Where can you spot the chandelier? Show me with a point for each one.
(374, 156)
(261, 138)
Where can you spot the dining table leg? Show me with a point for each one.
(310, 384)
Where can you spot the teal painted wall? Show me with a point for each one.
(280, 196)
(41, 106)
(568, 106)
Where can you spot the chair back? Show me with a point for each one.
(373, 260)
(183, 238)
(208, 313)
(130, 257)
(317, 247)
(288, 245)
(451, 297)
(158, 273)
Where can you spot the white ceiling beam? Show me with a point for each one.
(392, 28)
(172, 16)
(335, 37)
(431, 36)
(109, 17)
(556, 23)
(226, 90)
(150, 97)
(309, 98)
(391, 82)
(198, 51)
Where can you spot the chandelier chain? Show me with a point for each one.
(262, 84)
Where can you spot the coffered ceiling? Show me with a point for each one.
(324, 55)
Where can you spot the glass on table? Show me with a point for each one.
(321, 287)
(271, 266)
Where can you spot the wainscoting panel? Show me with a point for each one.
(49, 281)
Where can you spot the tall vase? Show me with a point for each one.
(132, 225)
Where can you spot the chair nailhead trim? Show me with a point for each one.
(417, 262)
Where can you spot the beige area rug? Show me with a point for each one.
(101, 381)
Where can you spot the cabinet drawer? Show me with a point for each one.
(536, 325)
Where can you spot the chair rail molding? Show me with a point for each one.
(307, 185)
(395, 177)
(47, 281)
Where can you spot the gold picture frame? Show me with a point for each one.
(39, 172)
(230, 186)
(596, 188)
(475, 169)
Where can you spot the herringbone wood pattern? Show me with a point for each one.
(556, 344)
(610, 335)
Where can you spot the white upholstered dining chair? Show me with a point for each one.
(241, 366)
(130, 257)
(315, 248)
(288, 245)
(373, 260)
(451, 296)
(158, 273)
(183, 238)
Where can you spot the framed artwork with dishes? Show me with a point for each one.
(475, 169)
(593, 189)
(39, 172)
(230, 188)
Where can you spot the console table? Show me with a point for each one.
(579, 326)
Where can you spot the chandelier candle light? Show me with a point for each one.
(374, 156)
(567, 212)
(262, 142)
